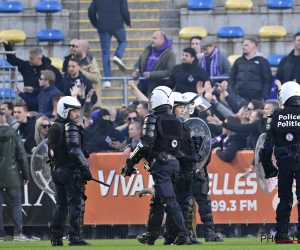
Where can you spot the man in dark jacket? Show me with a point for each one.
(27, 123)
(251, 76)
(155, 63)
(77, 79)
(31, 69)
(44, 99)
(289, 66)
(71, 45)
(185, 76)
(108, 17)
(12, 157)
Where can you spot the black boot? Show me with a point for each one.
(182, 239)
(169, 239)
(56, 242)
(210, 236)
(194, 241)
(76, 241)
(282, 238)
(147, 238)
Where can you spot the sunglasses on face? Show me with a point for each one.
(131, 118)
(71, 45)
(46, 126)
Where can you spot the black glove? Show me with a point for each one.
(198, 142)
(271, 172)
(86, 174)
(86, 153)
(196, 157)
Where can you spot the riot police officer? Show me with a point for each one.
(188, 155)
(70, 171)
(160, 143)
(283, 130)
(200, 186)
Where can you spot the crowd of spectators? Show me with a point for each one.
(236, 118)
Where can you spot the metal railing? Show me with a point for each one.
(8, 77)
(128, 78)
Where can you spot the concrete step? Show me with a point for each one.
(140, 13)
(131, 32)
(131, 42)
(128, 61)
(129, 52)
(149, 4)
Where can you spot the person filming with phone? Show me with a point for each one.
(105, 136)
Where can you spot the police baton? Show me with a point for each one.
(101, 182)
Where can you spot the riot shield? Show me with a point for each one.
(199, 128)
(266, 185)
(40, 169)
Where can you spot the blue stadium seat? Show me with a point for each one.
(48, 6)
(200, 5)
(4, 93)
(50, 35)
(4, 63)
(274, 60)
(230, 32)
(280, 4)
(11, 7)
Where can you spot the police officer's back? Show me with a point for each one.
(283, 132)
(160, 142)
(70, 171)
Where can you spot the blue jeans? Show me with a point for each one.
(14, 195)
(105, 38)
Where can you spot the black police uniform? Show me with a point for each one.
(183, 187)
(200, 192)
(283, 132)
(160, 142)
(67, 159)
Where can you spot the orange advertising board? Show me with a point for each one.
(233, 199)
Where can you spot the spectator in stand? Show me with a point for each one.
(155, 63)
(77, 79)
(104, 137)
(31, 69)
(214, 61)
(89, 65)
(13, 159)
(42, 126)
(8, 109)
(108, 17)
(113, 113)
(142, 110)
(26, 123)
(268, 108)
(242, 115)
(185, 76)
(55, 100)
(250, 76)
(289, 66)
(44, 99)
(228, 146)
(196, 45)
(130, 116)
(71, 45)
(129, 144)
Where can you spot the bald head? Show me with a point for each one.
(158, 39)
(72, 45)
(81, 48)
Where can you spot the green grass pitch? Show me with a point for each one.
(130, 244)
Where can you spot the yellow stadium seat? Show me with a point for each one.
(57, 62)
(15, 36)
(188, 32)
(232, 58)
(272, 32)
(239, 4)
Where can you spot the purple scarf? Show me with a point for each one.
(214, 66)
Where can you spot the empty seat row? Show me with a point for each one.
(233, 32)
(238, 4)
(41, 6)
(48, 35)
